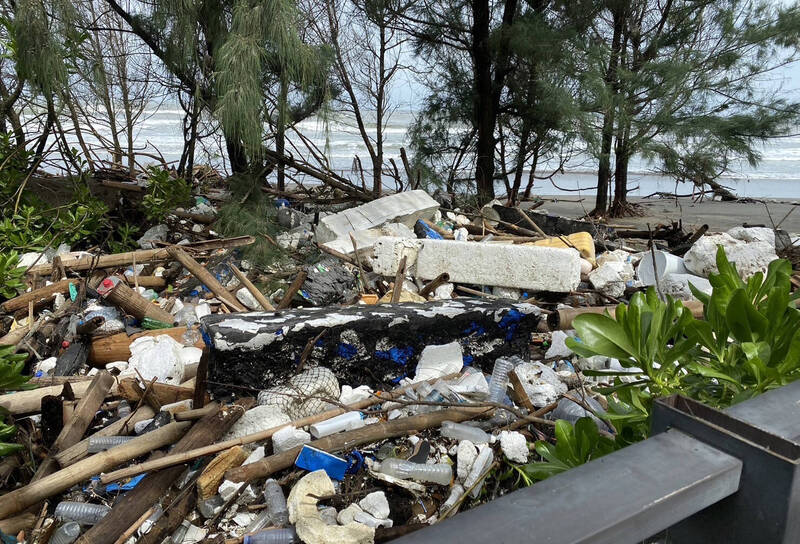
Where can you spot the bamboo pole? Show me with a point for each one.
(35, 296)
(155, 282)
(60, 481)
(562, 319)
(134, 304)
(14, 337)
(207, 278)
(293, 289)
(259, 296)
(399, 278)
(351, 439)
(29, 402)
(85, 411)
(185, 457)
(442, 278)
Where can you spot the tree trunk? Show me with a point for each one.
(236, 154)
(484, 111)
(604, 168)
(280, 136)
(619, 207)
(513, 195)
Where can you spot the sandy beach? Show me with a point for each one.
(719, 216)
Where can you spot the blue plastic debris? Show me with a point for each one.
(127, 486)
(429, 232)
(510, 322)
(346, 351)
(312, 459)
(468, 359)
(355, 462)
(282, 203)
(7, 539)
(400, 356)
(475, 328)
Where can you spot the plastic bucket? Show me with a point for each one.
(666, 263)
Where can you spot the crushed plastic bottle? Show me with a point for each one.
(103, 443)
(499, 380)
(459, 431)
(66, 534)
(151, 520)
(82, 512)
(440, 474)
(261, 521)
(123, 409)
(276, 503)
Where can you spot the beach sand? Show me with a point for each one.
(719, 216)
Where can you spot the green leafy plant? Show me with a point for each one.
(11, 379)
(164, 194)
(11, 277)
(575, 445)
(124, 238)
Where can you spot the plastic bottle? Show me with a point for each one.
(82, 512)
(151, 520)
(406, 470)
(273, 536)
(276, 503)
(123, 409)
(261, 521)
(459, 431)
(455, 494)
(180, 532)
(103, 443)
(66, 534)
(344, 422)
(499, 380)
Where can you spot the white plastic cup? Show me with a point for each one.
(666, 263)
(344, 422)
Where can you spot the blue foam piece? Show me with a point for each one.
(312, 459)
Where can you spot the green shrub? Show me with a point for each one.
(11, 379)
(11, 277)
(164, 194)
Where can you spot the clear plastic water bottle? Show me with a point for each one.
(261, 521)
(276, 503)
(459, 431)
(82, 512)
(103, 443)
(151, 520)
(499, 380)
(66, 534)
(273, 536)
(123, 409)
(440, 474)
(344, 422)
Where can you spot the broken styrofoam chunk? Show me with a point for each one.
(461, 235)
(375, 504)
(158, 357)
(366, 238)
(27, 260)
(618, 255)
(586, 267)
(310, 527)
(749, 257)
(611, 277)
(258, 418)
(558, 346)
(677, 285)
(46, 366)
(288, 438)
(347, 515)
(328, 515)
(244, 296)
(465, 457)
(405, 207)
(507, 292)
(541, 383)
(753, 234)
(514, 446)
(444, 292)
(473, 384)
(438, 361)
(371, 521)
(532, 268)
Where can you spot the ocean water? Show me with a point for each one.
(776, 176)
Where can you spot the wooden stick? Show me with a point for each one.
(259, 296)
(133, 528)
(153, 486)
(399, 278)
(155, 282)
(20, 499)
(334, 253)
(142, 256)
(439, 230)
(15, 336)
(122, 426)
(35, 296)
(85, 411)
(206, 277)
(117, 347)
(364, 435)
(444, 277)
(180, 458)
(362, 276)
(298, 282)
(562, 319)
(29, 402)
(134, 304)
(197, 413)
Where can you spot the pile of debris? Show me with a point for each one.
(392, 383)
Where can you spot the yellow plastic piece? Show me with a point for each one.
(582, 241)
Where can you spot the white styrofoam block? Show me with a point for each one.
(514, 446)
(376, 504)
(533, 268)
(749, 257)
(406, 208)
(437, 361)
(366, 238)
(288, 438)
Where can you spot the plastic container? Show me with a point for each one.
(123, 409)
(66, 534)
(151, 520)
(459, 431)
(103, 443)
(180, 532)
(273, 536)
(82, 512)
(261, 521)
(276, 503)
(499, 380)
(406, 470)
(344, 422)
(666, 263)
